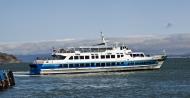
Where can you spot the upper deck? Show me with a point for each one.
(94, 49)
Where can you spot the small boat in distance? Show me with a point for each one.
(97, 58)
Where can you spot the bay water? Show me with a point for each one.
(171, 81)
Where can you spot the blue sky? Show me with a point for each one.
(36, 20)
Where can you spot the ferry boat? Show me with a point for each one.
(97, 58)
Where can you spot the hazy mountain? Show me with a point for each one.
(173, 44)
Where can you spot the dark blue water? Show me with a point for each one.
(171, 81)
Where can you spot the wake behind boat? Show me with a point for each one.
(97, 58)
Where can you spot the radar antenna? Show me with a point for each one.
(102, 37)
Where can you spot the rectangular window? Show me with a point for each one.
(71, 58)
(97, 64)
(138, 55)
(77, 65)
(92, 65)
(103, 64)
(113, 64)
(81, 57)
(131, 63)
(87, 65)
(59, 57)
(107, 56)
(107, 64)
(86, 57)
(65, 65)
(118, 56)
(112, 56)
(102, 56)
(76, 57)
(118, 63)
(71, 66)
(134, 55)
(82, 65)
(92, 57)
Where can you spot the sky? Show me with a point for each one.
(38, 20)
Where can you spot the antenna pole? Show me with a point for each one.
(103, 39)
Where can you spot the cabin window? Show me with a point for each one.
(82, 65)
(76, 57)
(86, 57)
(138, 55)
(131, 63)
(97, 64)
(122, 63)
(60, 57)
(134, 55)
(71, 58)
(65, 65)
(96, 56)
(71, 66)
(102, 56)
(113, 63)
(131, 55)
(118, 63)
(107, 56)
(103, 64)
(118, 56)
(92, 57)
(142, 55)
(108, 64)
(92, 65)
(77, 65)
(122, 55)
(112, 56)
(87, 65)
(81, 57)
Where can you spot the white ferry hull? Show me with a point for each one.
(96, 70)
(99, 69)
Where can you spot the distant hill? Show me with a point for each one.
(174, 44)
(7, 58)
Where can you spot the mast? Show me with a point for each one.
(103, 39)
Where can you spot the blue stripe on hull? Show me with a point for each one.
(36, 68)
